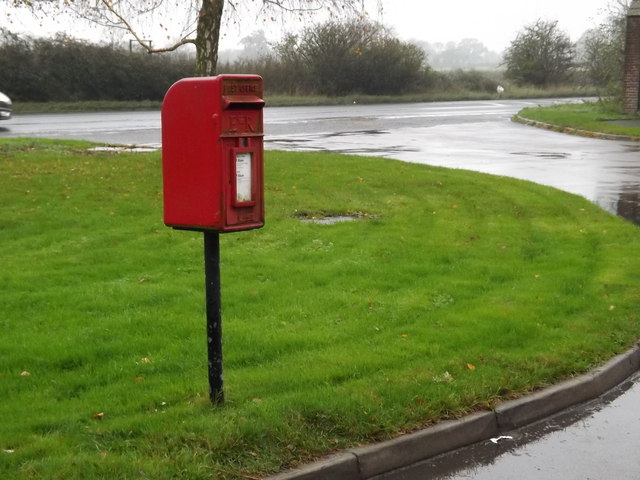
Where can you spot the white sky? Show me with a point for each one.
(494, 22)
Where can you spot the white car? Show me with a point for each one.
(5, 107)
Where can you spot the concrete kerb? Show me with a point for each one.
(539, 405)
(366, 462)
(574, 131)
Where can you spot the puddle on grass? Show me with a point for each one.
(128, 149)
(330, 220)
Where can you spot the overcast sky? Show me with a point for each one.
(494, 22)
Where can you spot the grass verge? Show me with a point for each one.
(452, 291)
(588, 117)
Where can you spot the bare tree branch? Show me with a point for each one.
(108, 5)
(133, 15)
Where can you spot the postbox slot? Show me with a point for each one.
(242, 102)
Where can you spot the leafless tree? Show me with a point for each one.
(201, 20)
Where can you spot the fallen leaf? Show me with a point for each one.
(24, 374)
(104, 453)
(257, 400)
(405, 335)
(471, 366)
(138, 379)
(98, 416)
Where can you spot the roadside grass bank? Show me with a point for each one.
(601, 117)
(451, 291)
(285, 101)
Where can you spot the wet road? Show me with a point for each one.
(139, 128)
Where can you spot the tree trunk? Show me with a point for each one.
(208, 36)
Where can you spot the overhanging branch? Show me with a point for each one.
(127, 26)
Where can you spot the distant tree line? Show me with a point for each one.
(329, 59)
(66, 69)
(356, 57)
(340, 58)
(334, 58)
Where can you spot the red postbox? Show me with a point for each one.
(212, 153)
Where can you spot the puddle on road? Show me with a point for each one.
(288, 140)
(356, 132)
(545, 155)
(633, 148)
(317, 143)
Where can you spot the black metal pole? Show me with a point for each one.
(214, 315)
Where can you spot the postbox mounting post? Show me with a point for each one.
(212, 177)
(214, 315)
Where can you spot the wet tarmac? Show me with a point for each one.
(595, 441)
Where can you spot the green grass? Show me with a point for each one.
(595, 117)
(453, 291)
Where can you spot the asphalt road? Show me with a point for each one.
(138, 128)
(143, 128)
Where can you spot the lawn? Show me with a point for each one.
(452, 291)
(599, 117)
